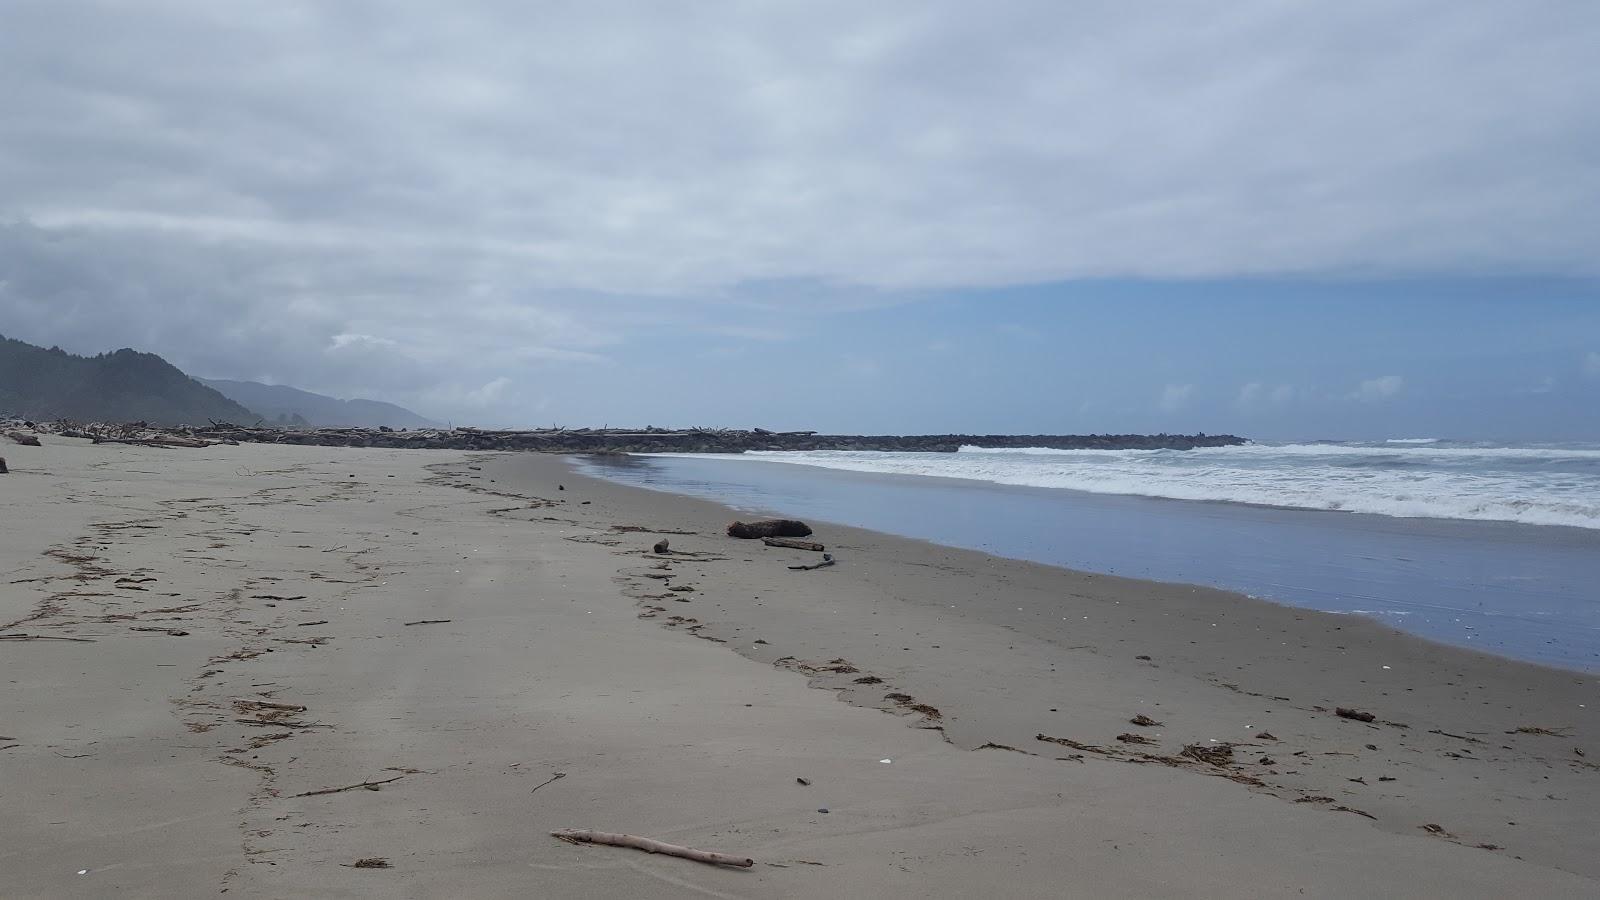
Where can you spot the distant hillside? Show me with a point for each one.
(279, 403)
(125, 386)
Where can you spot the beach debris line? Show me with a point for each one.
(369, 862)
(827, 560)
(650, 845)
(793, 544)
(765, 528)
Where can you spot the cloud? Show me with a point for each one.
(473, 179)
(1257, 396)
(1591, 364)
(1380, 388)
(341, 341)
(1175, 397)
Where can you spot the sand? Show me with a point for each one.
(144, 758)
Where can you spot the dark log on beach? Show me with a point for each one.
(3, 469)
(660, 546)
(793, 544)
(26, 440)
(769, 528)
(1356, 714)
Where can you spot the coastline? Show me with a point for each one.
(468, 631)
(1515, 590)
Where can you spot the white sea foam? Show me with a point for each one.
(1536, 485)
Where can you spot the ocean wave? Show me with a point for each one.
(1390, 449)
(1495, 489)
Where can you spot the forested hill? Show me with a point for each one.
(281, 403)
(125, 386)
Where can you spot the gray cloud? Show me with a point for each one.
(498, 190)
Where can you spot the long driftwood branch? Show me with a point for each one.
(650, 845)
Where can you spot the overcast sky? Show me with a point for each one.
(1260, 216)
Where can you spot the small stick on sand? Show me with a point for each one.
(827, 560)
(429, 622)
(649, 845)
(369, 785)
(552, 780)
(43, 637)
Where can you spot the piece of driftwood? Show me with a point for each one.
(28, 440)
(793, 544)
(44, 637)
(827, 560)
(429, 622)
(661, 546)
(1356, 714)
(650, 845)
(769, 528)
(3, 469)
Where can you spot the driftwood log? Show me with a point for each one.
(661, 546)
(3, 469)
(793, 544)
(28, 440)
(766, 528)
(650, 845)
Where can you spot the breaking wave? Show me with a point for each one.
(1534, 484)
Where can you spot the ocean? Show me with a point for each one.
(1494, 547)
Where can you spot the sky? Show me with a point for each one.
(1271, 218)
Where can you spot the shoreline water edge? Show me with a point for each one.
(1520, 590)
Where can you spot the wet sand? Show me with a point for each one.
(202, 647)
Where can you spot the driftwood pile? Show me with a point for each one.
(138, 433)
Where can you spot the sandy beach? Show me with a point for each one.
(246, 669)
